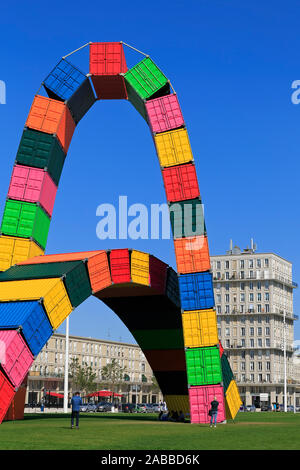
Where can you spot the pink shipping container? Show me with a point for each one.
(200, 403)
(7, 393)
(15, 356)
(32, 185)
(164, 113)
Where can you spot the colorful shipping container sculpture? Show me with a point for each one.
(38, 292)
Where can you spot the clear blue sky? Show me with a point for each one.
(232, 64)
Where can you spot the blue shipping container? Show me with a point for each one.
(196, 291)
(31, 316)
(63, 81)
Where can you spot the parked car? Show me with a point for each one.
(104, 406)
(265, 407)
(149, 408)
(290, 408)
(131, 408)
(156, 408)
(143, 407)
(250, 408)
(88, 407)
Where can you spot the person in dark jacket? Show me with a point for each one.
(214, 412)
(76, 403)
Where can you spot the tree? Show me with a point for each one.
(113, 375)
(82, 377)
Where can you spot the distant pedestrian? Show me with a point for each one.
(214, 412)
(76, 403)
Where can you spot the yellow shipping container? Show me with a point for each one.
(200, 328)
(14, 250)
(173, 148)
(178, 403)
(140, 267)
(52, 291)
(232, 400)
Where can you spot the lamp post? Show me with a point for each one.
(284, 360)
(66, 381)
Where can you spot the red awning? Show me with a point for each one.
(57, 395)
(104, 393)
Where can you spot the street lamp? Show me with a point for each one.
(66, 381)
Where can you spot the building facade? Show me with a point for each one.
(47, 371)
(254, 306)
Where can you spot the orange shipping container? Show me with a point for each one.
(192, 254)
(99, 272)
(62, 257)
(53, 117)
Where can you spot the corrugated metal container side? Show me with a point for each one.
(226, 372)
(181, 182)
(166, 359)
(63, 81)
(16, 408)
(52, 117)
(200, 403)
(41, 150)
(7, 393)
(16, 358)
(146, 79)
(232, 400)
(53, 292)
(137, 102)
(107, 62)
(38, 271)
(178, 403)
(31, 316)
(196, 291)
(62, 257)
(161, 310)
(13, 250)
(33, 185)
(172, 382)
(81, 101)
(25, 219)
(173, 148)
(159, 339)
(140, 267)
(99, 273)
(164, 113)
(187, 218)
(77, 283)
(200, 328)
(172, 287)
(120, 266)
(158, 274)
(203, 366)
(192, 254)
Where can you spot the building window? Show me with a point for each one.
(227, 331)
(241, 308)
(259, 308)
(242, 274)
(218, 309)
(251, 297)
(267, 331)
(251, 365)
(267, 285)
(243, 365)
(226, 275)
(251, 377)
(218, 264)
(218, 298)
(258, 263)
(250, 263)
(258, 285)
(267, 319)
(227, 343)
(268, 343)
(227, 309)
(267, 308)
(242, 264)
(268, 377)
(226, 286)
(243, 331)
(267, 296)
(251, 285)
(259, 319)
(242, 297)
(252, 354)
(266, 261)
(268, 365)
(242, 286)
(259, 342)
(218, 275)
(259, 297)
(243, 343)
(259, 365)
(251, 343)
(260, 377)
(251, 331)
(251, 275)
(226, 264)
(226, 297)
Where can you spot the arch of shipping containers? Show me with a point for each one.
(38, 292)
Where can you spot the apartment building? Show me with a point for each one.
(47, 371)
(254, 305)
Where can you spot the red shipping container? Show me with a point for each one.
(107, 62)
(32, 185)
(181, 182)
(99, 272)
(120, 266)
(200, 403)
(192, 254)
(158, 274)
(164, 114)
(221, 349)
(166, 360)
(16, 409)
(15, 356)
(7, 392)
(52, 117)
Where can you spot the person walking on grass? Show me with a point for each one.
(76, 403)
(214, 412)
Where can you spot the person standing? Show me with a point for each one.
(214, 412)
(76, 403)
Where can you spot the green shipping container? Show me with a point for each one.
(41, 150)
(226, 372)
(203, 366)
(75, 276)
(144, 81)
(25, 220)
(159, 339)
(187, 218)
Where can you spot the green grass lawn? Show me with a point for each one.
(250, 431)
